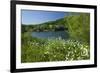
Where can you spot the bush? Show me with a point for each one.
(79, 26)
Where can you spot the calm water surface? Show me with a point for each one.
(51, 34)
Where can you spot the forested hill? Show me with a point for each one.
(56, 25)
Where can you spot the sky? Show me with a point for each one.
(37, 17)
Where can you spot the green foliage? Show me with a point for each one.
(31, 48)
(37, 50)
(61, 50)
(79, 26)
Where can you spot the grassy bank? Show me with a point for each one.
(42, 50)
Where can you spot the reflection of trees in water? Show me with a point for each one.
(60, 28)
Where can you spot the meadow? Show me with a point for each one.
(42, 50)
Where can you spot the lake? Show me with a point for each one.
(51, 34)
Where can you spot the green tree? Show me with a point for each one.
(79, 26)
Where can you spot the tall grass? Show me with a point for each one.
(39, 50)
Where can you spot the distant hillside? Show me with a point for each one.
(47, 26)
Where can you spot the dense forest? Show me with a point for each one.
(77, 47)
